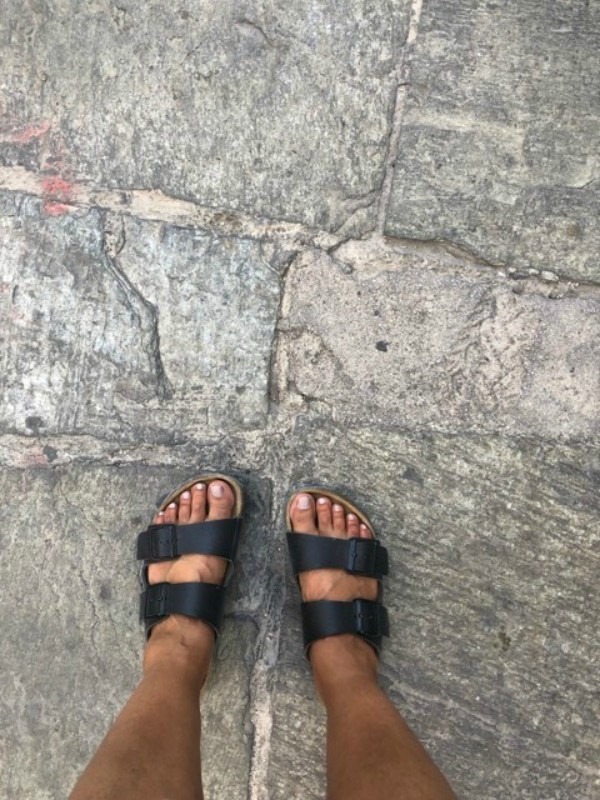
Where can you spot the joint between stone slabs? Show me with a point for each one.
(398, 115)
(153, 206)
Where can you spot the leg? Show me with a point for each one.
(371, 752)
(153, 749)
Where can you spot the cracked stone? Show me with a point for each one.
(172, 332)
(402, 342)
(265, 97)
(74, 656)
(492, 606)
(499, 141)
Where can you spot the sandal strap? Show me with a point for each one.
(203, 601)
(322, 618)
(357, 555)
(165, 542)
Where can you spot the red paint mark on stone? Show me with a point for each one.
(56, 209)
(57, 188)
(30, 132)
(57, 194)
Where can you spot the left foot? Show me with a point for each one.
(200, 503)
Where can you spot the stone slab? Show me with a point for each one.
(130, 330)
(498, 150)
(408, 339)
(494, 548)
(72, 642)
(237, 105)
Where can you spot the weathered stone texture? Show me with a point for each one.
(408, 341)
(179, 291)
(72, 643)
(250, 106)
(494, 546)
(133, 331)
(499, 143)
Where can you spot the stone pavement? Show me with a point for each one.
(353, 242)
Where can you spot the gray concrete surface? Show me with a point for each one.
(348, 242)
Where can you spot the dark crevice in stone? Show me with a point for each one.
(163, 385)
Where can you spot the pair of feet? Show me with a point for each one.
(308, 515)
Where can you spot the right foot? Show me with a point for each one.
(346, 652)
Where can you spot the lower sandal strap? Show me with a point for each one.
(366, 618)
(203, 601)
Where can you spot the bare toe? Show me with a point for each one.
(220, 500)
(365, 533)
(159, 518)
(185, 504)
(171, 513)
(302, 514)
(339, 520)
(352, 526)
(198, 512)
(324, 517)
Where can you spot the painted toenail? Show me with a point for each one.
(337, 509)
(217, 490)
(322, 501)
(352, 518)
(185, 495)
(172, 505)
(199, 487)
(303, 502)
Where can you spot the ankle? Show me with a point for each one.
(180, 643)
(340, 661)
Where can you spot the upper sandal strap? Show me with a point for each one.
(357, 555)
(203, 601)
(322, 618)
(164, 542)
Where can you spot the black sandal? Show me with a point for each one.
(165, 542)
(357, 556)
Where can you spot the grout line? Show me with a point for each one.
(398, 118)
(413, 25)
(154, 206)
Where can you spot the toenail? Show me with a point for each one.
(185, 495)
(303, 502)
(217, 490)
(337, 509)
(161, 513)
(352, 518)
(199, 487)
(172, 505)
(322, 501)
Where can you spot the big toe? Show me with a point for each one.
(302, 514)
(220, 500)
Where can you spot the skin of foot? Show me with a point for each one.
(347, 655)
(190, 636)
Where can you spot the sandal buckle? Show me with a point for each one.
(163, 542)
(362, 555)
(368, 622)
(155, 600)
